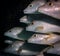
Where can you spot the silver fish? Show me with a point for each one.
(8, 41)
(55, 50)
(51, 8)
(34, 6)
(43, 27)
(14, 47)
(13, 32)
(44, 39)
(24, 19)
(28, 52)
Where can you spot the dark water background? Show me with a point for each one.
(11, 11)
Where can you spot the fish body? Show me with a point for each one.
(32, 49)
(55, 50)
(28, 52)
(51, 9)
(43, 27)
(14, 47)
(44, 39)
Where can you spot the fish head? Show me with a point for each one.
(33, 7)
(13, 32)
(51, 8)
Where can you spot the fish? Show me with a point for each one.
(14, 47)
(28, 49)
(42, 27)
(28, 52)
(14, 32)
(24, 19)
(47, 39)
(8, 41)
(31, 8)
(55, 49)
(42, 53)
(51, 8)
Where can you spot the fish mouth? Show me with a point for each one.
(29, 12)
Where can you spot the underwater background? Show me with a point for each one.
(11, 12)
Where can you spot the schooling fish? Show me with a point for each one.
(32, 49)
(44, 39)
(14, 32)
(34, 6)
(14, 47)
(51, 8)
(24, 19)
(43, 27)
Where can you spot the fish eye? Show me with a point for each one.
(34, 35)
(10, 31)
(31, 5)
(32, 23)
(50, 4)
